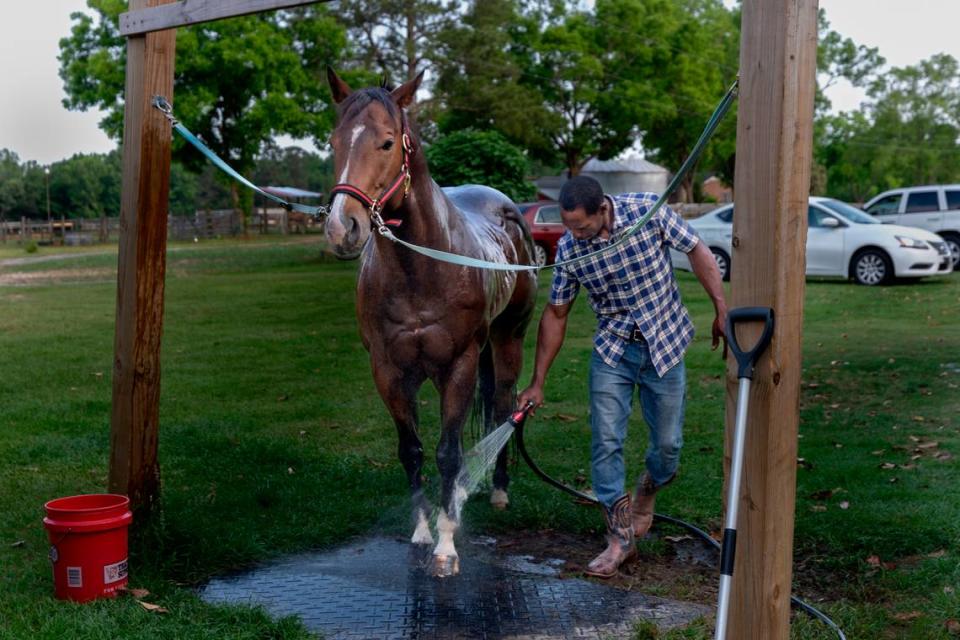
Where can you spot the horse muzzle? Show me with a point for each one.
(346, 234)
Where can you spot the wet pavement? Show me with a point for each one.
(377, 588)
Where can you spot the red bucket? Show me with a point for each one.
(88, 545)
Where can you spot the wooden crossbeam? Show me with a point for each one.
(187, 12)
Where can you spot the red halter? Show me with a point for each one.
(376, 205)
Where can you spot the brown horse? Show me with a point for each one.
(460, 327)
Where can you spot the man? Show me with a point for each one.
(643, 330)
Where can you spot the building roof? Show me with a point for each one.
(548, 187)
(633, 164)
(291, 192)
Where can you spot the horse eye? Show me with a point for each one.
(387, 145)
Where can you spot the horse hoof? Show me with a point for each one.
(422, 537)
(499, 499)
(446, 566)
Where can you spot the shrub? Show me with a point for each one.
(481, 157)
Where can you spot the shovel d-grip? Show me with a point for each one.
(746, 360)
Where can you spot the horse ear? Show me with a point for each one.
(338, 87)
(404, 94)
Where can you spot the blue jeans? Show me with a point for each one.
(611, 402)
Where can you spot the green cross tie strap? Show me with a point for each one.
(445, 256)
(691, 160)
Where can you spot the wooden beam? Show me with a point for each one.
(187, 12)
(774, 145)
(134, 428)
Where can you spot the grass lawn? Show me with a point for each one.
(273, 439)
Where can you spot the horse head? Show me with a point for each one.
(371, 154)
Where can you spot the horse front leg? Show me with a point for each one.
(399, 393)
(456, 397)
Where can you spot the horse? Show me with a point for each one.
(460, 327)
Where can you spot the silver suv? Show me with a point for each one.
(935, 208)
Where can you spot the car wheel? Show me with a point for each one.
(540, 255)
(723, 262)
(953, 243)
(872, 267)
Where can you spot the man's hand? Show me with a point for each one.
(532, 395)
(719, 331)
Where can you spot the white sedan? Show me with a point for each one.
(841, 241)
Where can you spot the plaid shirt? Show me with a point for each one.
(632, 285)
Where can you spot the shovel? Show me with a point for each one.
(746, 360)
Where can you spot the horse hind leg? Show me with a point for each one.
(487, 390)
(507, 360)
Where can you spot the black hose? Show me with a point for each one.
(520, 417)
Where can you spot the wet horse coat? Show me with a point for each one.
(421, 319)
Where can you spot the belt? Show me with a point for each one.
(636, 335)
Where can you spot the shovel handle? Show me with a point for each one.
(746, 360)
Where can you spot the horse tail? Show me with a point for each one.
(512, 214)
(482, 418)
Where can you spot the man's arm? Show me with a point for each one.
(553, 328)
(705, 268)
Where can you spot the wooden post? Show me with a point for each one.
(778, 56)
(134, 468)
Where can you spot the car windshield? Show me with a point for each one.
(849, 213)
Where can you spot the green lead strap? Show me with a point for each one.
(698, 148)
(164, 106)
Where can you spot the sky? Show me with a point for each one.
(35, 125)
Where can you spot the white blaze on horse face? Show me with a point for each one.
(336, 213)
(445, 530)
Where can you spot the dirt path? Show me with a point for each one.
(17, 262)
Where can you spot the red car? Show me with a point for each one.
(545, 224)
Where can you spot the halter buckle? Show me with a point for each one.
(375, 210)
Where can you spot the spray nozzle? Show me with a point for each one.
(518, 416)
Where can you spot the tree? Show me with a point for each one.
(239, 82)
(841, 58)
(480, 157)
(293, 166)
(11, 182)
(569, 84)
(905, 134)
(703, 66)
(395, 37)
(598, 72)
(86, 186)
(482, 83)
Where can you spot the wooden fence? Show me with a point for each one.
(205, 225)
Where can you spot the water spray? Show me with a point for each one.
(481, 457)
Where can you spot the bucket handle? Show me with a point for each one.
(53, 545)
